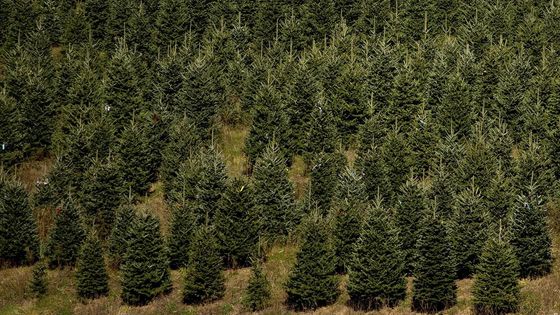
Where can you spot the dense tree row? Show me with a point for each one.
(448, 111)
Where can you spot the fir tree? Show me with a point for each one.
(91, 274)
(19, 241)
(171, 22)
(236, 224)
(500, 197)
(313, 281)
(66, 236)
(211, 183)
(38, 284)
(376, 272)
(134, 154)
(496, 288)
(204, 280)
(322, 134)
(434, 270)
(274, 196)
(324, 175)
(406, 96)
(372, 166)
(469, 230)
(530, 235)
(184, 186)
(144, 270)
(118, 239)
(409, 209)
(183, 225)
(97, 15)
(257, 294)
(396, 155)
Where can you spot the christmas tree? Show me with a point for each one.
(91, 274)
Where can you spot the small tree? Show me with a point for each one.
(410, 206)
(134, 151)
(324, 175)
(19, 242)
(204, 280)
(236, 224)
(434, 270)
(313, 281)
(91, 274)
(211, 183)
(496, 288)
(257, 295)
(183, 225)
(144, 270)
(376, 272)
(274, 195)
(530, 235)
(38, 284)
(120, 233)
(66, 237)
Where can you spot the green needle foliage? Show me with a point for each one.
(211, 183)
(496, 288)
(38, 284)
(313, 281)
(91, 274)
(120, 233)
(257, 295)
(204, 279)
(434, 269)
(134, 154)
(145, 267)
(66, 236)
(530, 235)
(183, 224)
(376, 272)
(19, 242)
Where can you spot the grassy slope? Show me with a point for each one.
(540, 296)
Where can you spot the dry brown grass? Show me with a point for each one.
(298, 176)
(30, 171)
(232, 143)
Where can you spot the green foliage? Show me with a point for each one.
(324, 178)
(66, 236)
(211, 182)
(500, 197)
(377, 270)
(375, 172)
(322, 134)
(183, 224)
(145, 267)
(91, 274)
(434, 270)
(236, 224)
(496, 288)
(469, 230)
(257, 294)
(274, 195)
(397, 157)
(19, 242)
(410, 206)
(313, 282)
(171, 22)
(134, 157)
(38, 284)
(204, 280)
(118, 239)
(531, 239)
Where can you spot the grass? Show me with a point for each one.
(540, 296)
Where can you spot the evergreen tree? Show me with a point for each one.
(171, 22)
(38, 284)
(313, 281)
(349, 209)
(274, 196)
(236, 224)
(323, 177)
(183, 225)
(396, 155)
(104, 179)
(376, 272)
(19, 242)
(144, 270)
(184, 186)
(270, 122)
(322, 134)
(257, 294)
(409, 209)
(469, 230)
(496, 288)
(406, 96)
(500, 197)
(118, 239)
(530, 235)
(97, 15)
(91, 274)
(434, 270)
(211, 183)
(204, 280)
(66, 236)
(134, 155)
(372, 166)
(119, 17)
